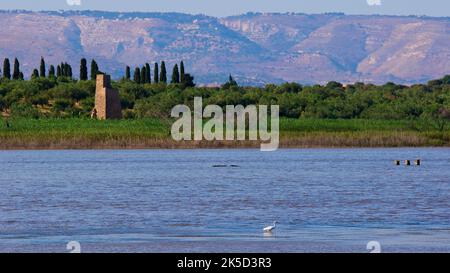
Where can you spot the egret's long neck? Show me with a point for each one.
(274, 224)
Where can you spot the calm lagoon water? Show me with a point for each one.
(325, 200)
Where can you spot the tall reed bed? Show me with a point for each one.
(77, 133)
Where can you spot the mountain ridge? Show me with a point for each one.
(257, 48)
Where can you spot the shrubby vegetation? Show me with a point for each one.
(64, 97)
(58, 94)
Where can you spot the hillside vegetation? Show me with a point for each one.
(64, 97)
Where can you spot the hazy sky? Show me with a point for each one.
(234, 7)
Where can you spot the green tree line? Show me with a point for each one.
(64, 70)
(143, 75)
(149, 93)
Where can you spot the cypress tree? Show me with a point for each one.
(83, 70)
(143, 75)
(156, 73)
(69, 70)
(232, 81)
(6, 69)
(175, 74)
(182, 72)
(137, 75)
(148, 76)
(35, 74)
(42, 68)
(94, 70)
(58, 71)
(21, 77)
(128, 73)
(163, 75)
(63, 70)
(16, 71)
(51, 72)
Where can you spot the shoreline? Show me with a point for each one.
(152, 144)
(207, 148)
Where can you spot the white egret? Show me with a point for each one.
(270, 228)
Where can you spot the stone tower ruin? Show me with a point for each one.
(107, 101)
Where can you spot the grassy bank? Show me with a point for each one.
(155, 133)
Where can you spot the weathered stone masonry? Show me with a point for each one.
(107, 100)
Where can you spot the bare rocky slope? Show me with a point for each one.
(256, 48)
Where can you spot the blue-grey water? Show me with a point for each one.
(325, 200)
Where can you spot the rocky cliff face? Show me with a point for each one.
(256, 48)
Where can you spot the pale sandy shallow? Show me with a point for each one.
(212, 247)
(310, 240)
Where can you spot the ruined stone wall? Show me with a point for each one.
(107, 100)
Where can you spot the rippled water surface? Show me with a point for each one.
(325, 200)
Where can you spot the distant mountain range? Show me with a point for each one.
(256, 48)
